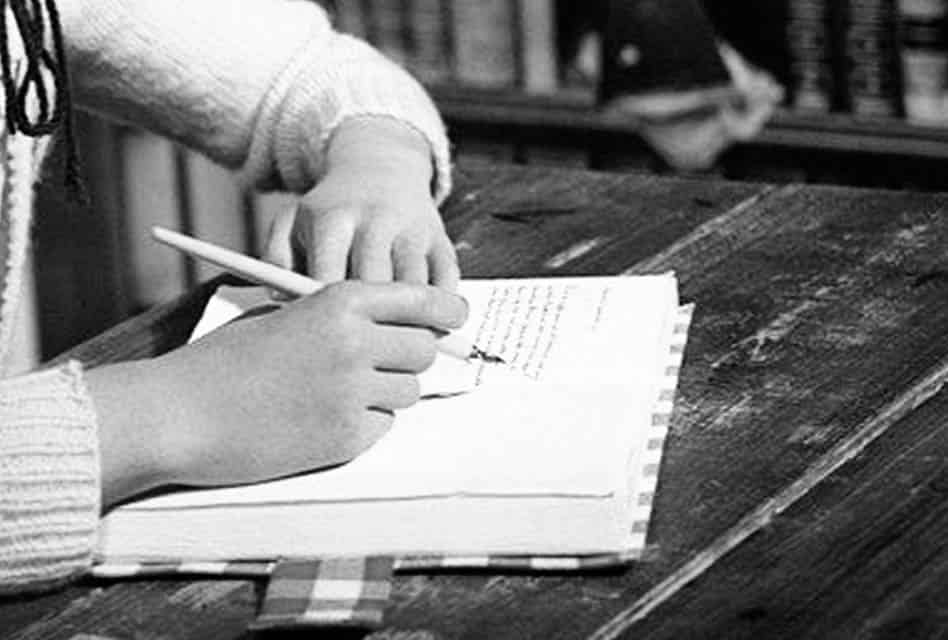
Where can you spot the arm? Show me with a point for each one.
(270, 88)
(259, 85)
(74, 443)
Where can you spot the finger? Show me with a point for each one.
(409, 262)
(404, 349)
(443, 266)
(392, 391)
(371, 257)
(417, 305)
(278, 248)
(329, 240)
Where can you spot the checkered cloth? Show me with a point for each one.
(336, 592)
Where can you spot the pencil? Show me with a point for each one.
(290, 282)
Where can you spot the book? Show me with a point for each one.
(429, 47)
(555, 453)
(923, 53)
(537, 21)
(385, 20)
(808, 35)
(872, 80)
(485, 48)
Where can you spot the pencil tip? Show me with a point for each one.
(479, 354)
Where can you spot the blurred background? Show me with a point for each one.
(850, 92)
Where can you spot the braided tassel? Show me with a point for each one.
(41, 65)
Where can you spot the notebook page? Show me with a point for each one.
(582, 356)
(546, 329)
(590, 330)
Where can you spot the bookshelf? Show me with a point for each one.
(858, 111)
(792, 146)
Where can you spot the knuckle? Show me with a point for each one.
(342, 297)
(350, 350)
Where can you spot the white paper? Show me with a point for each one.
(585, 359)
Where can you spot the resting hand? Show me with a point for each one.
(371, 217)
(308, 386)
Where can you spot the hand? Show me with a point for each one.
(308, 386)
(371, 216)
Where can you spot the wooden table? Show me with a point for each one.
(804, 490)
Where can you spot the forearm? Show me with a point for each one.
(260, 86)
(194, 71)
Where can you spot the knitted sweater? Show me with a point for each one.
(259, 86)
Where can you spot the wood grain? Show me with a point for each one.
(797, 455)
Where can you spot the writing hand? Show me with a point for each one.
(310, 385)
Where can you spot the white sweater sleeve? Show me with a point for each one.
(49, 479)
(260, 85)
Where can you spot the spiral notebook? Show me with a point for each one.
(548, 462)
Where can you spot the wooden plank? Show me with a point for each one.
(863, 556)
(520, 220)
(162, 609)
(817, 309)
(512, 192)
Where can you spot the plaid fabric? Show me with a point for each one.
(353, 591)
(402, 564)
(337, 592)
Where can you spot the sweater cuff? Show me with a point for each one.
(310, 100)
(49, 478)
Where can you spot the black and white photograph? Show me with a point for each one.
(473, 319)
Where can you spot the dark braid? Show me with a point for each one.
(41, 64)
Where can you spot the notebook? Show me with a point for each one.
(552, 455)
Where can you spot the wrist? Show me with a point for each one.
(132, 419)
(378, 143)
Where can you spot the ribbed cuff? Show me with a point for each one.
(49, 479)
(326, 84)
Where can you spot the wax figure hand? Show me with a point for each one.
(308, 386)
(372, 215)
